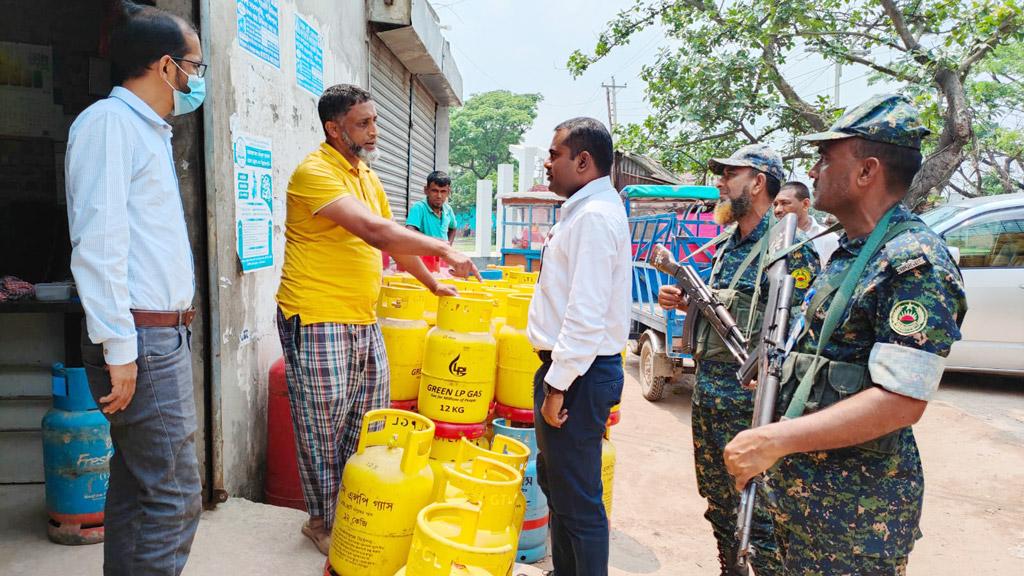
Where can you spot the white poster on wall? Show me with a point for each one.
(254, 201)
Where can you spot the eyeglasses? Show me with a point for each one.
(200, 67)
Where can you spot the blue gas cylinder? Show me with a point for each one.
(76, 458)
(533, 538)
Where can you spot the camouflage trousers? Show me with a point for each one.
(721, 410)
(848, 512)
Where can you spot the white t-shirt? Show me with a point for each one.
(825, 245)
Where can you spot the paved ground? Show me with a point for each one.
(972, 440)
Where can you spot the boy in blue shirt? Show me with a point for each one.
(432, 215)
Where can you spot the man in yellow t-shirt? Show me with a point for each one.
(337, 224)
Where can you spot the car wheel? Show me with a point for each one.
(652, 387)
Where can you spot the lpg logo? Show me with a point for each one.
(455, 369)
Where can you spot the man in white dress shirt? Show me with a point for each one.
(133, 267)
(794, 197)
(579, 322)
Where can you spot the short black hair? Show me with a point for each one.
(800, 190)
(589, 134)
(900, 162)
(440, 178)
(337, 100)
(142, 35)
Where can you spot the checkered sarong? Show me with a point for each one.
(336, 373)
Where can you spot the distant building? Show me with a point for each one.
(630, 168)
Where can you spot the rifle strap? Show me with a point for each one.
(722, 237)
(845, 283)
(794, 247)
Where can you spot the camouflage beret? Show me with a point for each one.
(886, 118)
(756, 156)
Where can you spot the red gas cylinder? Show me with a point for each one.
(282, 487)
(517, 415)
(408, 405)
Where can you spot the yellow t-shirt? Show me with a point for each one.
(330, 274)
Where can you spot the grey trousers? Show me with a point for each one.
(155, 496)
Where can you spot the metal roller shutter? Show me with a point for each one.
(390, 85)
(424, 110)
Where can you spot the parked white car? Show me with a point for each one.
(987, 234)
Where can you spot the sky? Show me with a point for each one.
(523, 46)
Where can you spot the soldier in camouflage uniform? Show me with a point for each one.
(748, 182)
(847, 486)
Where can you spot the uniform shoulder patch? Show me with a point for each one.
(908, 317)
(801, 277)
(910, 264)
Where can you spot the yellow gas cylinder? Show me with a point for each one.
(445, 544)
(517, 361)
(497, 283)
(400, 278)
(614, 417)
(505, 269)
(457, 382)
(503, 449)
(466, 284)
(430, 311)
(496, 488)
(445, 447)
(400, 310)
(519, 277)
(507, 451)
(500, 296)
(607, 474)
(384, 486)
(525, 288)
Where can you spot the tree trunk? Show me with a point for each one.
(939, 166)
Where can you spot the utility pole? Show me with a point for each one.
(610, 91)
(839, 77)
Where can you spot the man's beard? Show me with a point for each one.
(728, 211)
(368, 156)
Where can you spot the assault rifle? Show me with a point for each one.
(769, 351)
(701, 303)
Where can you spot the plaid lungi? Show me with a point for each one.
(336, 374)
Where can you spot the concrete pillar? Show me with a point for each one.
(483, 218)
(527, 157)
(505, 182)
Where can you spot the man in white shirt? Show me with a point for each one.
(133, 268)
(579, 322)
(794, 197)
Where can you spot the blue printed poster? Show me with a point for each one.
(309, 57)
(258, 30)
(254, 202)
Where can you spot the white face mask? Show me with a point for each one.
(185, 103)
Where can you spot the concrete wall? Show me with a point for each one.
(246, 94)
(442, 142)
(188, 160)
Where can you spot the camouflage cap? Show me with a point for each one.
(886, 118)
(756, 156)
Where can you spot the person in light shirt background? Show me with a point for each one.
(579, 322)
(133, 269)
(795, 198)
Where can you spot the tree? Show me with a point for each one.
(994, 161)
(481, 132)
(729, 74)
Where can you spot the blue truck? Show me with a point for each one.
(679, 217)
